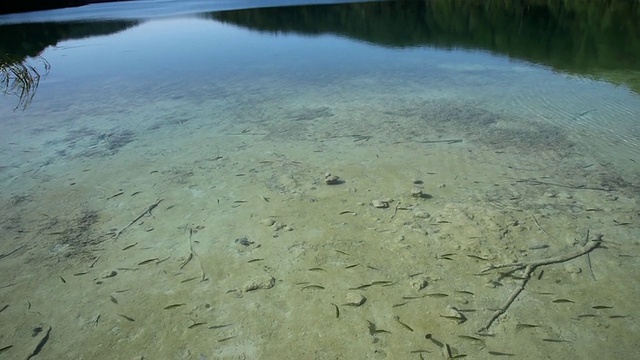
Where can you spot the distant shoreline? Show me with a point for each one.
(11, 7)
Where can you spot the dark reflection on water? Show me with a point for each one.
(21, 66)
(594, 38)
(19, 41)
(582, 37)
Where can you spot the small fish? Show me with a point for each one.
(381, 282)
(472, 338)
(561, 301)
(555, 340)
(81, 273)
(341, 252)
(129, 246)
(127, 317)
(148, 261)
(413, 297)
(317, 269)
(226, 339)
(351, 266)
(4, 308)
(173, 306)
(464, 292)
(477, 257)
(254, 260)
(403, 324)
(618, 316)
(437, 295)
(319, 287)
(219, 326)
(602, 307)
(190, 279)
(113, 299)
(115, 195)
(436, 342)
(195, 324)
(337, 310)
(41, 344)
(499, 353)
(526, 326)
(587, 315)
(6, 348)
(62, 279)
(361, 287)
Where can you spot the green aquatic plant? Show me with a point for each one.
(21, 78)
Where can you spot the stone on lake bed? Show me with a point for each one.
(108, 274)
(380, 204)
(331, 179)
(355, 299)
(419, 282)
(259, 282)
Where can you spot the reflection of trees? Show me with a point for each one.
(582, 37)
(22, 78)
(22, 67)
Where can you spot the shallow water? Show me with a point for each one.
(168, 178)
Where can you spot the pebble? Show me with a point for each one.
(453, 312)
(277, 226)
(416, 192)
(355, 299)
(331, 179)
(572, 269)
(267, 222)
(419, 282)
(109, 274)
(380, 204)
(260, 282)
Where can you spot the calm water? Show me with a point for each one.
(517, 121)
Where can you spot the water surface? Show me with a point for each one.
(185, 150)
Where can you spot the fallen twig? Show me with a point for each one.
(193, 254)
(578, 187)
(543, 230)
(148, 211)
(2, 256)
(529, 267)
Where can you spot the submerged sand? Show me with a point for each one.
(231, 246)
